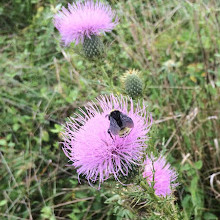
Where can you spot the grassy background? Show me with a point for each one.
(175, 44)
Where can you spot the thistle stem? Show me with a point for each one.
(165, 209)
(107, 77)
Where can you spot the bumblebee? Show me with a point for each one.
(120, 124)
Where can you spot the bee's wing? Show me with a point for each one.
(126, 121)
(114, 128)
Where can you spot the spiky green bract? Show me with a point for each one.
(133, 85)
(93, 47)
(132, 175)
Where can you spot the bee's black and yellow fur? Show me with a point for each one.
(120, 124)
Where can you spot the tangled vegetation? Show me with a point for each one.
(175, 46)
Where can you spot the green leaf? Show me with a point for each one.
(11, 144)
(210, 216)
(47, 213)
(217, 55)
(170, 78)
(113, 199)
(193, 189)
(58, 128)
(3, 142)
(16, 127)
(3, 202)
(185, 167)
(198, 164)
(45, 136)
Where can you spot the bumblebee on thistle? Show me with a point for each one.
(90, 148)
(83, 22)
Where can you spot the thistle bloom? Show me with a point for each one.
(84, 19)
(159, 173)
(90, 148)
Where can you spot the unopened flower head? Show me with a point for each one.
(84, 19)
(130, 72)
(159, 174)
(132, 83)
(91, 149)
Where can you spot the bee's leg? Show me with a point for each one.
(110, 134)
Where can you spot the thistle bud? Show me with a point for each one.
(93, 47)
(132, 83)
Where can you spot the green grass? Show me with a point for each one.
(175, 44)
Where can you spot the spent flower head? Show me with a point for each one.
(91, 149)
(159, 174)
(84, 19)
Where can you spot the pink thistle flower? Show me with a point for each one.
(84, 18)
(159, 173)
(92, 150)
